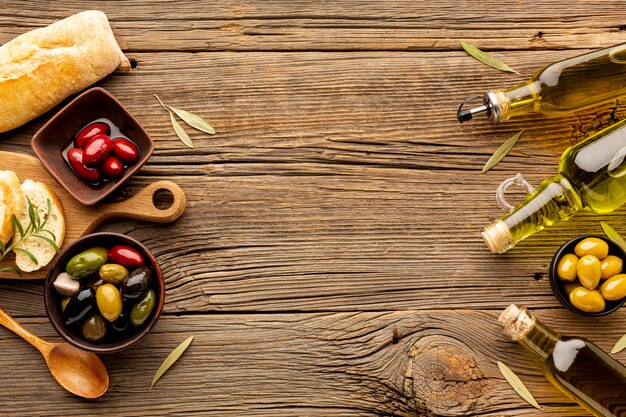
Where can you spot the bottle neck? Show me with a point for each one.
(554, 200)
(517, 101)
(521, 326)
(540, 340)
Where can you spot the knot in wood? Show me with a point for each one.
(442, 378)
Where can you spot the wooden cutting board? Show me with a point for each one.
(80, 219)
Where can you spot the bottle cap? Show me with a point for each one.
(516, 322)
(495, 105)
(498, 237)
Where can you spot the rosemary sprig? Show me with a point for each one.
(35, 228)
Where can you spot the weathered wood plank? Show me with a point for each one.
(365, 108)
(331, 25)
(356, 192)
(431, 363)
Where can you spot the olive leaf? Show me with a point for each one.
(619, 345)
(502, 151)
(193, 120)
(170, 360)
(613, 235)
(518, 385)
(486, 59)
(182, 135)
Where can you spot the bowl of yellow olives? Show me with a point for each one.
(587, 276)
(104, 292)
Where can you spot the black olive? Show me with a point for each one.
(80, 306)
(136, 283)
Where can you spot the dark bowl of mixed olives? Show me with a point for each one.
(586, 275)
(104, 292)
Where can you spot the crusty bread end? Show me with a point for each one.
(11, 203)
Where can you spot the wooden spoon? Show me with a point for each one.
(80, 372)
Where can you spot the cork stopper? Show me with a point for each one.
(498, 237)
(516, 322)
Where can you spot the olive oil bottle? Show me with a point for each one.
(591, 177)
(576, 366)
(560, 88)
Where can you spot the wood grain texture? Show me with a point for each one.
(319, 195)
(329, 262)
(430, 363)
(346, 25)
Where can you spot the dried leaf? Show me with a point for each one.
(180, 131)
(518, 385)
(193, 120)
(613, 235)
(620, 345)
(486, 59)
(170, 360)
(502, 151)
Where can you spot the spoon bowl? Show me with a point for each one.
(81, 373)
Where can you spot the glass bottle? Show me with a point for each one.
(579, 368)
(591, 177)
(559, 89)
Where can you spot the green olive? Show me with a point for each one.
(94, 329)
(592, 246)
(614, 288)
(113, 273)
(86, 263)
(141, 312)
(611, 265)
(566, 269)
(109, 301)
(588, 301)
(589, 271)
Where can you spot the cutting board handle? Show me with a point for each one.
(141, 205)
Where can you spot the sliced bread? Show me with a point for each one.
(11, 203)
(38, 193)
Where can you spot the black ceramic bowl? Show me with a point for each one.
(51, 298)
(558, 286)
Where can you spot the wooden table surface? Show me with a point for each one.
(329, 262)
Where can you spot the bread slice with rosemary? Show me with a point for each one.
(47, 212)
(11, 203)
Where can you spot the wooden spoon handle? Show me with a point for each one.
(10, 323)
(141, 205)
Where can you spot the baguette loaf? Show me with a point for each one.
(41, 68)
(11, 203)
(38, 193)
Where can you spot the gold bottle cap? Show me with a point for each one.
(516, 322)
(498, 237)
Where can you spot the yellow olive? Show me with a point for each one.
(611, 265)
(592, 246)
(570, 286)
(614, 288)
(585, 300)
(109, 301)
(589, 271)
(566, 269)
(64, 303)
